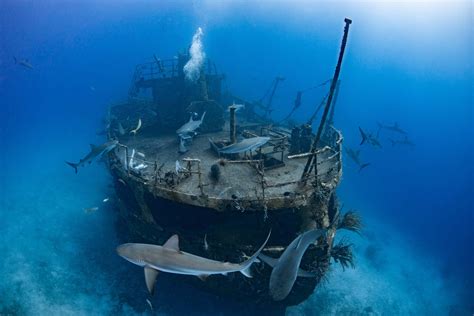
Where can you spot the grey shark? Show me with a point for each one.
(394, 128)
(286, 268)
(23, 62)
(369, 139)
(353, 154)
(95, 152)
(404, 141)
(190, 127)
(247, 144)
(169, 258)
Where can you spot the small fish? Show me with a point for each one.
(141, 154)
(90, 209)
(121, 181)
(105, 200)
(149, 304)
(139, 125)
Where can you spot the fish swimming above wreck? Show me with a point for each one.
(190, 127)
(96, 151)
(169, 258)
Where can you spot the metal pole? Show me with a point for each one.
(328, 103)
(233, 137)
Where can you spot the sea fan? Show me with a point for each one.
(350, 221)
(342, 253)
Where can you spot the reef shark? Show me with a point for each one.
(23, 62)
(286, 268)
(354, 155)
(247, 144)
(368, 138)
(404, 141)
(190, 127)
(393, 128)
(95, 152)
(169, 258)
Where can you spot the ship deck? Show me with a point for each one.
(241, 182)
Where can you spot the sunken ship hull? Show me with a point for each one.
(152, 217)
(221, 195)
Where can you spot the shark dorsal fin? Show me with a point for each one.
(299, 241)
(190, 118)
(93, 146)
(172, 243)
(150, 278)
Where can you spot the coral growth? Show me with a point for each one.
(342, 253)
(350, 221)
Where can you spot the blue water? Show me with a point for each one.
(405, 62)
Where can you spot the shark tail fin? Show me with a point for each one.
(74, 165)
(248, 263)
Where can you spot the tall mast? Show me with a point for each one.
(313, 158)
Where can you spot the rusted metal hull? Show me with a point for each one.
(152, 218)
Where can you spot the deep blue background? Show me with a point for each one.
(410, 63)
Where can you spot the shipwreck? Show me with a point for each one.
(214, 168)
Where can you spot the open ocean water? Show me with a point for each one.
(406, 61)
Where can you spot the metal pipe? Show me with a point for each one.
(233, 137)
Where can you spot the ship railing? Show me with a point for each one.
(166, 68)
(335, 150)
